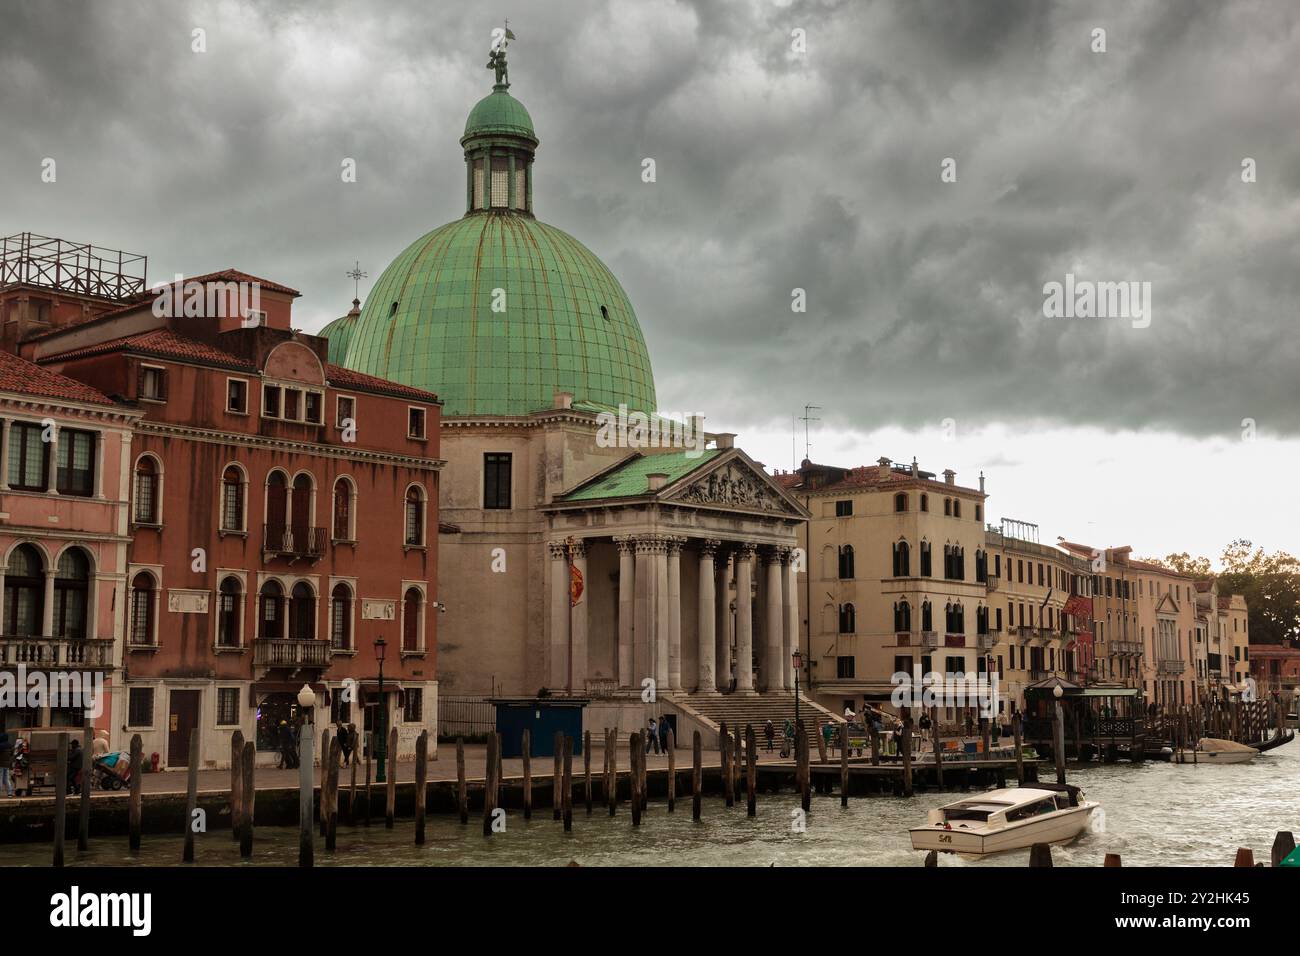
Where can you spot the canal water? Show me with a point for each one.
(1154, 814)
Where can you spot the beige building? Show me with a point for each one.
(1041, 597)
(895, 581)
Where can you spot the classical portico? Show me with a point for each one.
(673, 572)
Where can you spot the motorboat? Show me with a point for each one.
(1215, 750)
(1014, 818)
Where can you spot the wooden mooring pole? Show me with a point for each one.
(611, 771)
(586, 769)
(60, 798)
(322, 814)
(370, 746)
(907, 751)
(697, 776)
(421, 783)
(938, 746)
(352, 790)
(844, 764)
(490, 784)
(1017, 730)
(390, 802)
(191, 795)
(462, 788)
(87, 764)
(751, 772)
(525, 748)
(236, 757)
(634, 754)
(672, 770)
(724, 749)
(133, 811)
(330, 806)
(802, 773)
(566, 783)
(248, 799)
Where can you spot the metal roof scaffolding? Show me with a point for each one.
(75, 267)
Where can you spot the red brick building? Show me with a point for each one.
(282, 517)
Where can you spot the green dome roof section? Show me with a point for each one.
(499, 114)
(339, 333)
(564, 323)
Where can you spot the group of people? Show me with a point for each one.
(290, 742)
(657, 735)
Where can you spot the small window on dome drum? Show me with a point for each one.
(478, 184)
(500, 183)
(521, 187)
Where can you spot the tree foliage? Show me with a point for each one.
(1270, 583)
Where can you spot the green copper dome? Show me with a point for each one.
(496, 312)
(565, 325)
(499, 113)
(339, 333)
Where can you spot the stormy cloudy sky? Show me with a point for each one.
(776, 169)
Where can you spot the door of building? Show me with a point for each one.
(182, 717)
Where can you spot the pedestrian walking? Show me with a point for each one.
(288, 746)
(345, 743)
(925, 726)
(770, 733)
(664, 729)
(6, 763)
(652, 736)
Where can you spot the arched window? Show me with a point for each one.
(956, 507)
(902, 560)
(146, 491)
(411, 620)
(927, 617)
(277, 507)
(902, 617)
(947, 506)
(232, 499)
(71, 593)
(979, 513)
(24, 608)
(342, 530)
(925, 502)
(302, 613)
(303, 509)
(414, 516)
(848, 619)
(228, 613)
(846, 562)
(271, 617)
(142, 603)
(954, 619)
(900, 501)
(927, 568)
(341, 617)
(981, 565)
(981, 620)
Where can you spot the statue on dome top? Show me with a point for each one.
(497, 55)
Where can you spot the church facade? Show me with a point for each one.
(633, 570)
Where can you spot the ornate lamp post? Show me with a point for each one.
(797, 659)
(307, 705)
(380, 750)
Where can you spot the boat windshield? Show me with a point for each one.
(972, 811)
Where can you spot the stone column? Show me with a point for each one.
(578, 623)
(643, 622)
(626, 607)
(52, 463)
(706, 620)
(744, 620)
(660, 605)
(790, 597)
(675, 614)
(722, 625)
(4, 455)
(559, 670)
(47, 612)
(773, 670)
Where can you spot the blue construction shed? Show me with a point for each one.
(542, 717)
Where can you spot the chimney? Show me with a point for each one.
(884, 466)
(655, 480)
(981, 482)
(563, 400)
(726, 439)
(949, 476)
(915, 469)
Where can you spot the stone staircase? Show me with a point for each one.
(737, 711)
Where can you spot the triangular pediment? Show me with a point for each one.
(1166, 604)
(734, 481)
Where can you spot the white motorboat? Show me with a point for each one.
(1010, 819)
(1213, 750)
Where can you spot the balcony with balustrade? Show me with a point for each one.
(55, 653)
(295, 655)
(293, 542)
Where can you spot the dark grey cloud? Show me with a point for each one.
(775, 171)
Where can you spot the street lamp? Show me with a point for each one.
(797, 659)
(380, 645)
(307, 706)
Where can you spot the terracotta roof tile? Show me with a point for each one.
(234, 275)
(20, 375)
(162, 343)
(341, 377)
